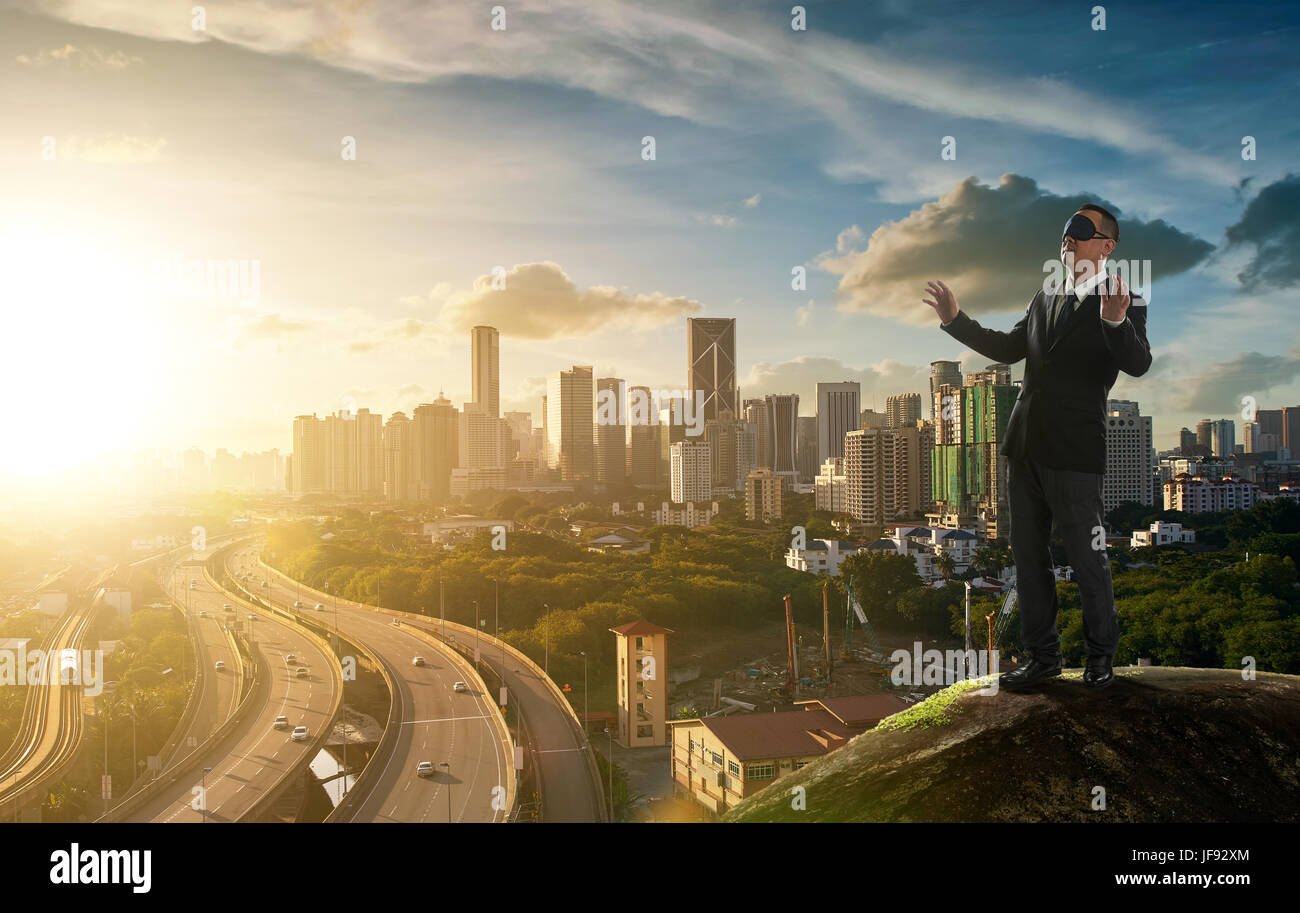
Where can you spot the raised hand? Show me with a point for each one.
(942, 300)
(1114, 305)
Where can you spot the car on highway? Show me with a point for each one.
(228, 607)
(424, 769)
(203, 613)
(290, 658)
(221, 666)
(281, 722)
(266, 583)
(194, 585)
(252, 617)
(395, 623)
(320, 607)
(460, 686)
(299, 733)
(297, 603)
(417, 661)
(302, 672)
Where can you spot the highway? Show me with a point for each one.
(569, 791)
(255, 758)
(438, 724)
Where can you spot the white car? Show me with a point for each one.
(302, 672)
(228, 607)
(203, 613)
(424, 769)
(417, 661)
(297, 603)
(194, 585)
(221, 666)
(252, 617)
(290, 658)
(299, 733)
(266, 583)
(320, 607)
(281, 722)
(460, 686)
(395, 623)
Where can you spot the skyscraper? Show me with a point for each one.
(436, 449)
(692, 471)
(711, 363)
(485, 365)
(570, 423)
(1130, 458)
(806, 448)
(398, 453)
(783, 411)
(942, 372)
(308, 454)
(611, 430)
(904, 410)
(838, 407)
(642, 439)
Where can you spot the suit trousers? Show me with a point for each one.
(1037, 495)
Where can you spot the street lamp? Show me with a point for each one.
(584, 693)
(546, 663)
(203, 792)
(447, 767)
(610, 759)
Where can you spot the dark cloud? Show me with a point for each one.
(1271, 222)
(1218, 388)
(989, 244)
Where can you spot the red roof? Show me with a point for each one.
(635, 628)
(858, 709)
(759, 736)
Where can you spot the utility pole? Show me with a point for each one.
(826, 626)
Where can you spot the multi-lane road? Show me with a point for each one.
(438, 723)
(253, 760)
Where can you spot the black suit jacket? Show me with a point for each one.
(1059, 418)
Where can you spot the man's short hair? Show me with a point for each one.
(1109, 224)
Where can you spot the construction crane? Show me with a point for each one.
(792, 657)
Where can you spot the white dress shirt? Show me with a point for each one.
(1083, 289)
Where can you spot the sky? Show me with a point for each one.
(370, 166)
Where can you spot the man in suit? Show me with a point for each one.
(1075, 338)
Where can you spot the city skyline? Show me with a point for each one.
(603, 252)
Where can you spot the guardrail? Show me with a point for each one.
(496, 644)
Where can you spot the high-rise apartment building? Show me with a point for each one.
(611, 430)
(764, 496)
(308, 454)
(1130, 456)
(904, 410)
(399, 453)
(436, 449)
(806, 448)
(692, 471)
(942, 373)
(642, 440)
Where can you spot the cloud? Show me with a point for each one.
(1217, 389)
(90, 59)
(269, 327)
(113, 148)
(1271, 223)
(752, 202)
(719, 221)
(804, 313)
(540, 302)
(989, 245)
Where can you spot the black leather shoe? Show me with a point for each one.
(1097, 672)
(1030, 672)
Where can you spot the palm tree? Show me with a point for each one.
(946, 565)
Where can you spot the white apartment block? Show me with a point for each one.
(1161, 533)
(692, 471)
(1195, 493)
(830, 487)
(926, 544)
(1130, 456)
(820, 556)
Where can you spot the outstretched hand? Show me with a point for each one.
(942, 300)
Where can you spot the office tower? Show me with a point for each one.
(398, 454)
(903, 410)
(721, 435)
(1186, 440)
(711, 363)
(521, 434)
(642, 439)
(370, 453)
(838, 408)
(672, 428)
(1223, 436)
(759, 416)
(1203, 435)
(746, 452)
(806, 448)
(870, 418)
(764, 496)
(1290, 431)
(611, 430)
(1130, 458)
(783, 412)
(308, 454)
(941, 373)
(570, 423)
(485, 345)
(436, 449)
(692, 471)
